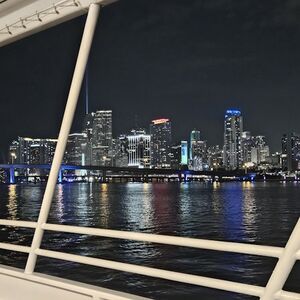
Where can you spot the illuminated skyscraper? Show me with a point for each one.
(14, 152)
(195, 137)
(88, 130)
(247, 145)
(261, 149)
(176, 156)
(32, 151)
(290, 152)
(121, 151)
(233, 128)
(184, 153)
(102, 138)
(254, 148)
(76, 149)
(215, 157)
(161, 139)
(138, 149)
(198, 152)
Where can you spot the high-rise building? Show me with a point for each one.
(254, 148)
(247, 145)
(175, 157)
(14, 152)
(139, 149)
(261, 148)
(194, 138)
(102, 138)
(198, 152)
(161, 139)
(233, 128)
(184, 153)
(215, 157)
(121, 151)
(274, 160)
(76, 149)
(88, 130)
(290, 152)
(32, 151)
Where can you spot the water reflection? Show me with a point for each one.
(233, 196)
(84, 212)
(148, 212)
(29, 200)
(12, 204)
(185, 203)
(249, 211)
(59, 204)
(216, 185)
(165, 207)
(243, 212)
(139, 215)
(104, 206)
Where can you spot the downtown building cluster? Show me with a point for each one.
(95, 145)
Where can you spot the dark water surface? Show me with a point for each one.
(260, 213)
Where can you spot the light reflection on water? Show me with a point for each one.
(262, 213)
(12, 205)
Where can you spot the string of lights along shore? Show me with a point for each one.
(153, 147)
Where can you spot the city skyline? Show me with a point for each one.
(170, 59)
(136, 125)
(146, 147)
(96, 145)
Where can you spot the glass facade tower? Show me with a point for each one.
(232, 151)
(161, 139)
(102, 138)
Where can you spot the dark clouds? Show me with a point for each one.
(184, 59)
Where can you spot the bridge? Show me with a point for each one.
(129, 173)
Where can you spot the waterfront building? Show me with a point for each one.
(247, 145)
(102, 138)
(76, 149)
(195, 137)
(88, 130)
(254, 148)
(184, 153)
(36, 152)
(261, 150)
(139, 149)
(161, 139)
(113, 152)
(27, 150)
(274, 160)
(175, 157)
(215, 157)
(13, 156)
(23, 150)
(120, 147)
(198, 152)
(290, 144)
(233, 128)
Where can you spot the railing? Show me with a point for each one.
(286, 257)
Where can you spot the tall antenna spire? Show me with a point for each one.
(86, 90)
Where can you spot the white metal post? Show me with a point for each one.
(78, 76)
(284, 265)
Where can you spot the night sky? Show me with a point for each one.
(188, 60)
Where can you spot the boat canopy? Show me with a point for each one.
(21, 18)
